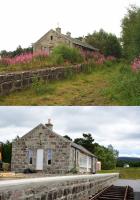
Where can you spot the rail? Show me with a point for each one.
(114, 193)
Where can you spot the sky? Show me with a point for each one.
(119, 126)
(23, 22)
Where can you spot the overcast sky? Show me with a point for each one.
(22, 22)
(119, 126)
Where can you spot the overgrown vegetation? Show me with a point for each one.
(130, 33)
(67, 54)
(98, 85)
(108, 43)
(25, 60)
(6, 152)
(125, 85)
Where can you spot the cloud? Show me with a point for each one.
(79, 17)
(119, 126)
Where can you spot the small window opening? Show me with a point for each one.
(51, 37)
(49, 156)
(30, 156)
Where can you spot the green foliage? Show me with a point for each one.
(72, 55)
(67, 137)
(107, 155)
(56, 59)
(108, 43)
(17, 52)
(126, 86)
(121, 163)
(131, 33)
(86, 141)
(6, 152)
(39, 86)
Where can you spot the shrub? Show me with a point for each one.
(126, 86)
(39, 86)
(56, 59)
(72, 55)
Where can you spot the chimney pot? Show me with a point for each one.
(49, 125)
(58, 30)
(68, 34)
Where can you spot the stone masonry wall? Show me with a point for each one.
(10, 82)
(47, 42)
(56, 188)
(41, 138)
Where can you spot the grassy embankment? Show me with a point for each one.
(125, 173)
(104, 85)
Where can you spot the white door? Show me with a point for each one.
(39, 159)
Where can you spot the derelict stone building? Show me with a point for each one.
(42, 149)
(54, 37)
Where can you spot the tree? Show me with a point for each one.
(7, 152)
(86, 141)
(107, 155)
(67, 137)
(107, 43)
(131, 33)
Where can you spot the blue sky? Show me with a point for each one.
(23, 22)
(119, 126)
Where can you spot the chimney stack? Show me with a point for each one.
(58, 30)
(68, 34)
(49, 125)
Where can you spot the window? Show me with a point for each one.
(51, 37)
(49, 156)
(30, 156)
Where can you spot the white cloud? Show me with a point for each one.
(23, 22)
(119, 126)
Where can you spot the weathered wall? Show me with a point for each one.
(50, 40)
(41, 138)
(16, 81)
(59, 188)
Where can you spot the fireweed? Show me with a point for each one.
(23, 58)
(136, 64)
(97, 57)
(40, 57)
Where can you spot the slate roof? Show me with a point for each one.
(81, 148)
(78, 42)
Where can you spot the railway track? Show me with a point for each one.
(114, 193)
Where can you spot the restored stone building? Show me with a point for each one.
(54, 37)
(44, 150)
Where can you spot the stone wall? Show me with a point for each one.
(50, 40)
(18, 80)
(41, 138)
(56, 188)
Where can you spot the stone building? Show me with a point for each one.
(54, 37)
(42, 149)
